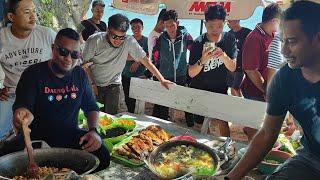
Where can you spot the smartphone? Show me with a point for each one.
(209, 45)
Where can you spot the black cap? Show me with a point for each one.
(97, 2)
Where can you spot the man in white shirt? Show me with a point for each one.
(23, 43)
(155, 33)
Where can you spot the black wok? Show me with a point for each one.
(150, 158)
(15, 164)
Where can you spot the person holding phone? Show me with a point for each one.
(208, 67)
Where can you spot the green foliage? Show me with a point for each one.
(46, 18)
(46, 1)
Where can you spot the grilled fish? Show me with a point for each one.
(161, 133)
(155, 139)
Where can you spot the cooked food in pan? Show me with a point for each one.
(182, 159)
(43, 172)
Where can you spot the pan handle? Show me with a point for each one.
(5, 178)
(39, 144)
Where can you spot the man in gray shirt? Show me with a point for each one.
(108, 52)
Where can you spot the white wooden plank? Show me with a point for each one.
(140, 107)
(233, 109)
(205, 125)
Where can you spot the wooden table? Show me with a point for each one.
(117, 171)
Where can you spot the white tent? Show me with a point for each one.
(194, 9)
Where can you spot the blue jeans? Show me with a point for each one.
(6, 116)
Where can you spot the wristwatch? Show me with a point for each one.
(94, 129)
(199, 63)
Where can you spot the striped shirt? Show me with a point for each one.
(275, 58)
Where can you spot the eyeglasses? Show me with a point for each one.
(65, 52)
(116, 37)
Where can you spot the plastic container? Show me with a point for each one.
(267, 167)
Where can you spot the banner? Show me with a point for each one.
(194, 9)
(236, 9)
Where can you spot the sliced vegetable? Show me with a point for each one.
(127, 123)
(105, 120)
(286, 144)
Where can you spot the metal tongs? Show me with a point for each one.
(225, 148)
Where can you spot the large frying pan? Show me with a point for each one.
(150, 158)
(81, 162)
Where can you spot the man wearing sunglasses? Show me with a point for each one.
(23, 44)
(49, 96)
(108, 51)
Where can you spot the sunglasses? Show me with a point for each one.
(65, 52)
(116, 37)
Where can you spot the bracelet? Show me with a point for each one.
(199, 63)
(94, 129)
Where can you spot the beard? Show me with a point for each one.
(58, 70)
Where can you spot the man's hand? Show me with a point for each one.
(217, 52)
(206, 55)
(134, 67)
(92, 141)
(22, 116)
(4, 95)
(166, 83)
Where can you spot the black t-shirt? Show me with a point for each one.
(241, 37)
(54, 102)
(90, 29)
(290, 91)
(213, 76)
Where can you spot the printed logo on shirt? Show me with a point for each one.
(58, 94)
(73, 95)
(64, 90)
(50, 98)
(212, 64)
(58, 97)
(20, 59)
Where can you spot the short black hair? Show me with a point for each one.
(273, 10)
(98, 2)
(308, 13)
(215, 12)
(69, 33)
(161, 14)
(170, 15)
(118, 22)
(12, 6)
(136, 20)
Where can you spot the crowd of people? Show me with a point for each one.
(44, 86)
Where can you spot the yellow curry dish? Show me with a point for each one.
(182, 159)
